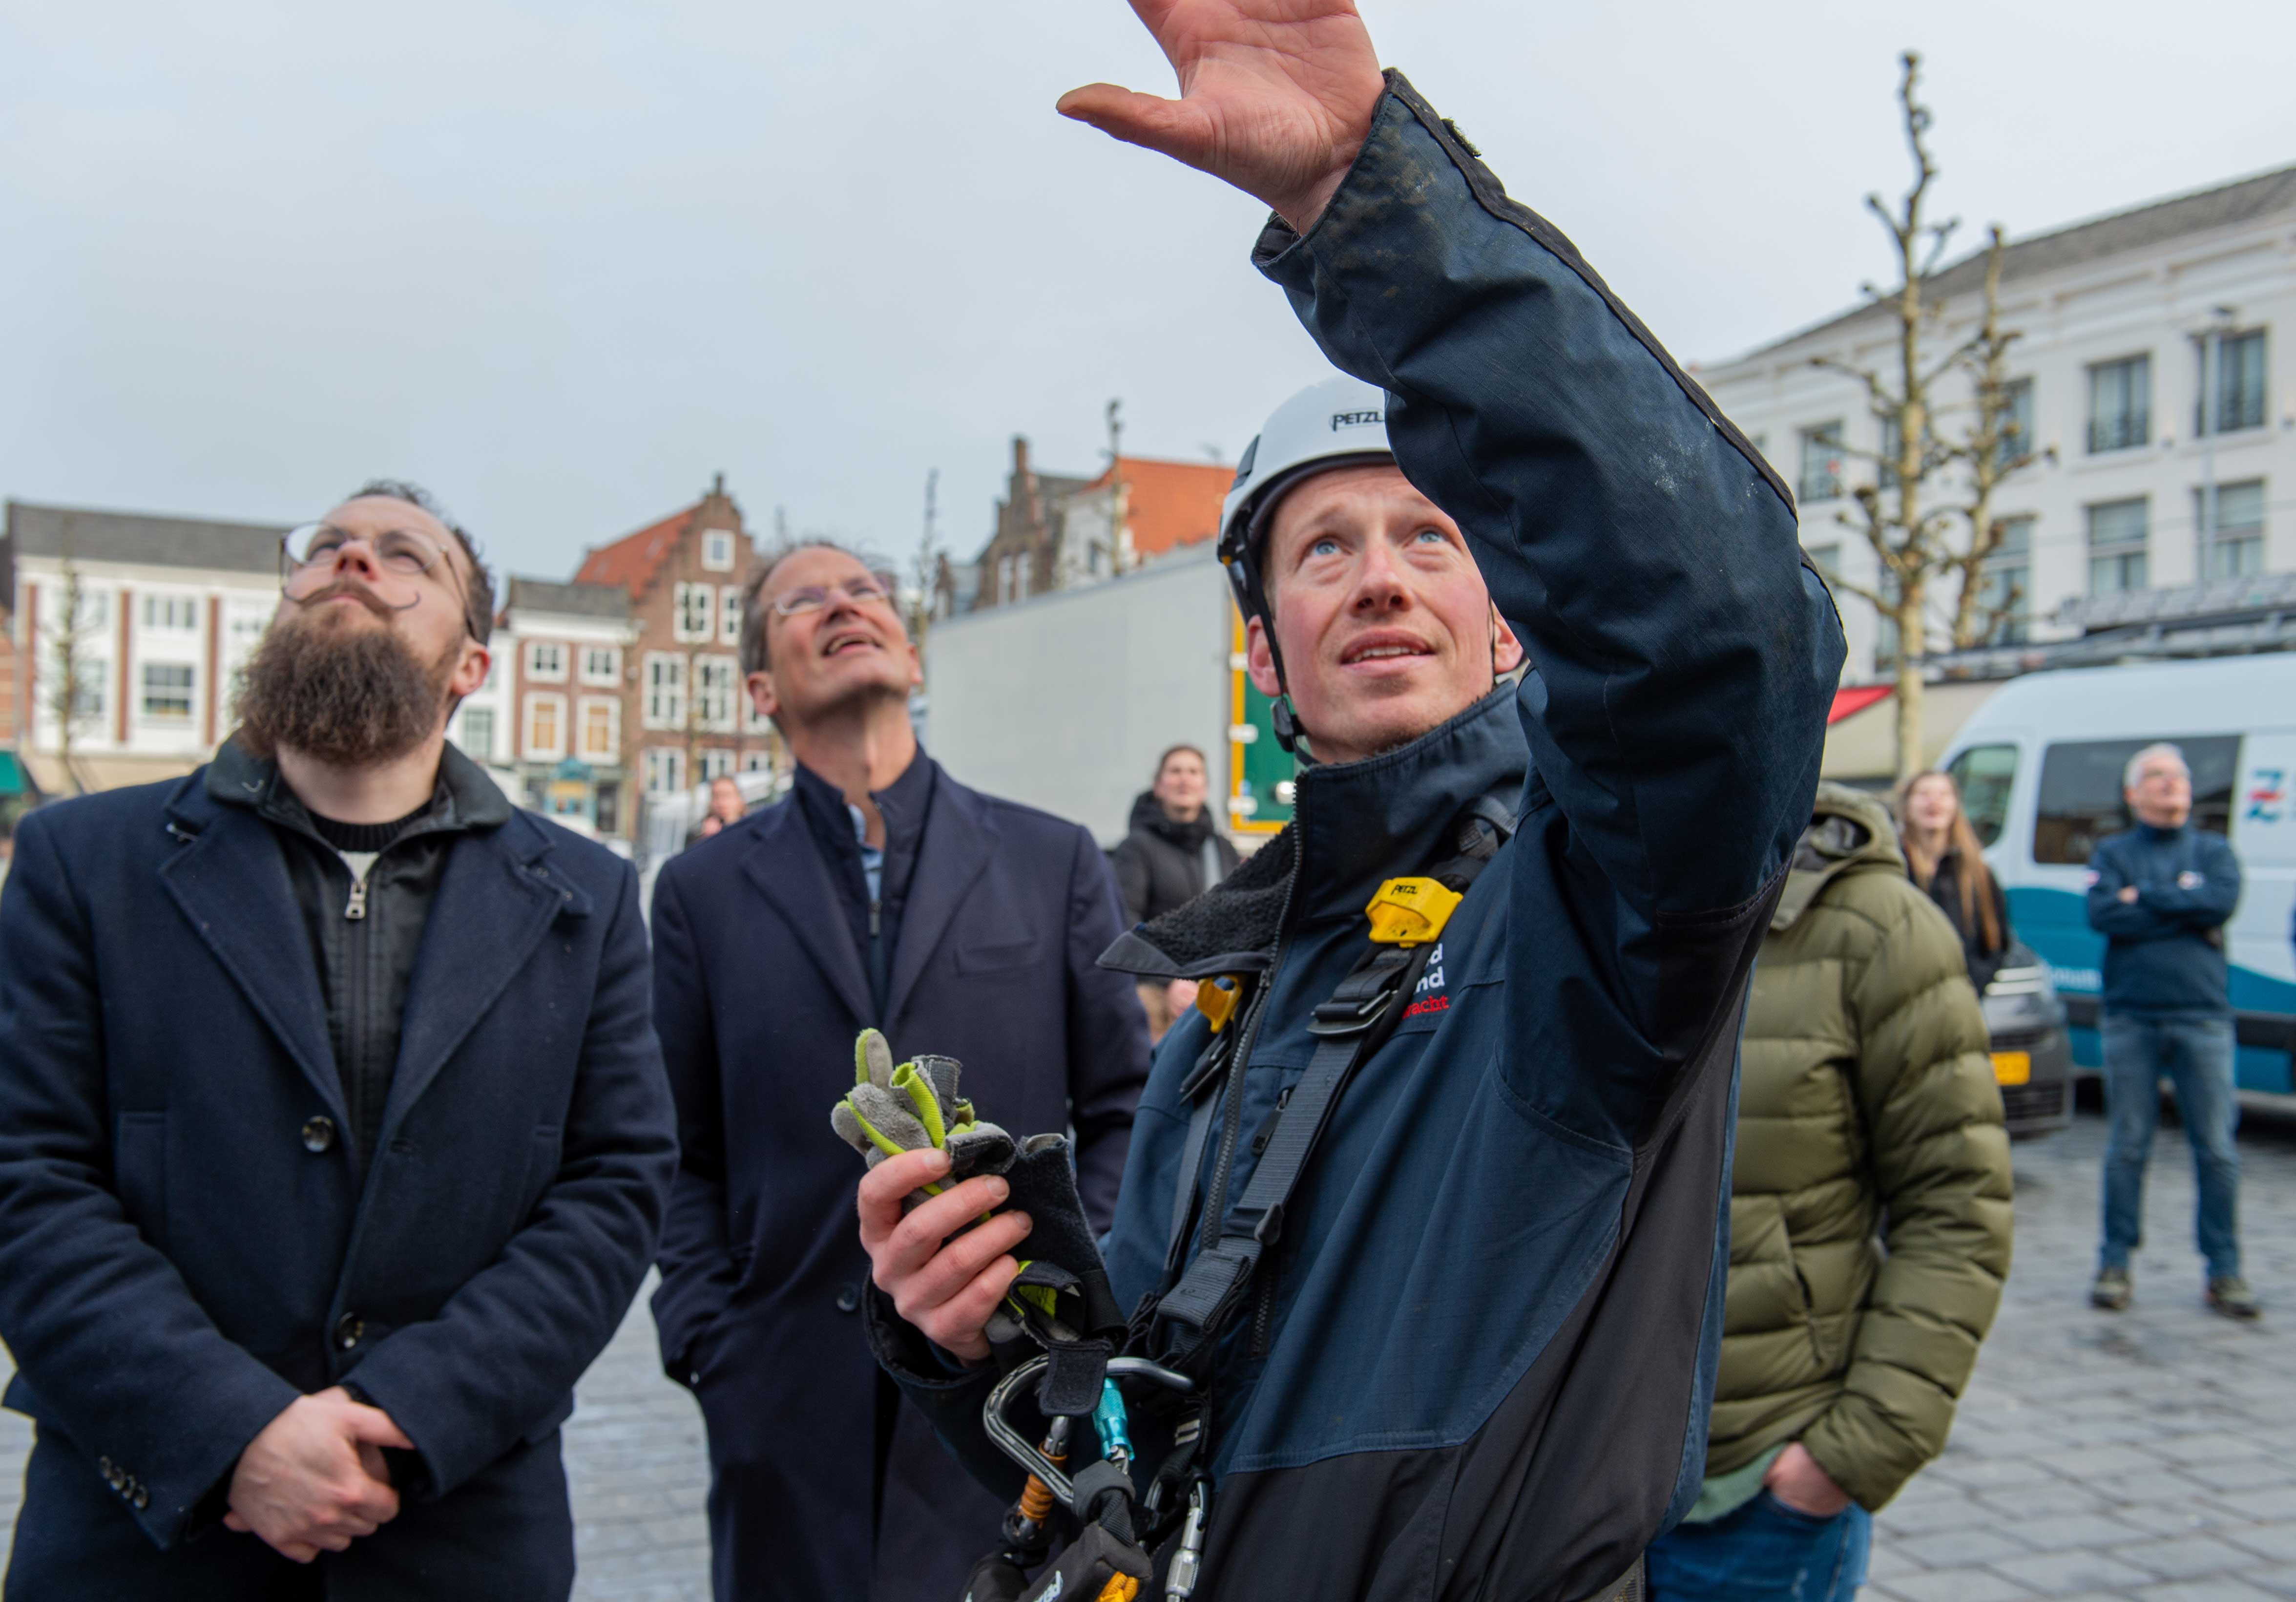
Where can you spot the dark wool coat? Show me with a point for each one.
(185, 1246)
(758, 992)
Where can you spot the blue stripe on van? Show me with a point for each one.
(2055, 924)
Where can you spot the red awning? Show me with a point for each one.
(1850, 701)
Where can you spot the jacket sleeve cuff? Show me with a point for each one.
(949, 1392)
(1871, 1485)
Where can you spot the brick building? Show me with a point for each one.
(1058, 531)
(565, 649)
(685, 714)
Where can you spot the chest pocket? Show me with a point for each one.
(1002, 956)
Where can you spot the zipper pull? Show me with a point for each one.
(873, 929)
(356, 907)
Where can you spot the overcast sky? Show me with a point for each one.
(563, 261)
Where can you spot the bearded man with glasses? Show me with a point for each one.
(334, 1137)
(880, 892)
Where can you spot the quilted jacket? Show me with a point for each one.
(1870, 1197)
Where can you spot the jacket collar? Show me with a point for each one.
(1354, 826)
(497, 896)
(464, 797)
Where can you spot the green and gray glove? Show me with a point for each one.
(1062, 1296)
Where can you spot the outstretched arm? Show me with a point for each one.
(1645, 554)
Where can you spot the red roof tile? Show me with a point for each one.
(633, 560)
(1171, 503)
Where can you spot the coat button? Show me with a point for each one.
(142, 1497)
(318, 1133)
(348, 1329)
(848, 1298)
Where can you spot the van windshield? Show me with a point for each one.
(2079, 801)
(1983, 775)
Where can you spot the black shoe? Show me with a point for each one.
(2112, 1290)
(2228, 1293)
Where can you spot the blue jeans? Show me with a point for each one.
(2194, 1054)
(1763, 1551)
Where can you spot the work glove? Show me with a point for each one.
(1061, 1294)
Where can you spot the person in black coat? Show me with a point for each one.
(880, 892)
(1171, 856)
(1943, 856)
(334, 1132)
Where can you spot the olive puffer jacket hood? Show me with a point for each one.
(1870, 1196)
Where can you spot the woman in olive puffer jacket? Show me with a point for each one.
(1870, 1203)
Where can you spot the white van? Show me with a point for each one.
(2039, 767)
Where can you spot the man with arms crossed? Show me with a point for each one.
(2160, 894)
(1485, 1325)
(334, 1134)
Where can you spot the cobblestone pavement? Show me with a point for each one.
(2145, 1456)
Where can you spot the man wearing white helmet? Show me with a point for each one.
(1428, 1199)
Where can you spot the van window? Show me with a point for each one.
(2080, 799)
(1983, 775)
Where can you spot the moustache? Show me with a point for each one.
(360, 592)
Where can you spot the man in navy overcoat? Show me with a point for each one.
(334, 1134)
(881, 891)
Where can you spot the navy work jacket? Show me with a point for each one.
(1491, 1350)
(188, 1240)
(759, 993)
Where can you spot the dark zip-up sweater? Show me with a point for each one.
(364, 930)
(874, 920)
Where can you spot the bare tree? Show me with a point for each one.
(924, 567)
(72, 676)
(1908, 514)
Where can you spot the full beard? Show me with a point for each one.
(347, 698)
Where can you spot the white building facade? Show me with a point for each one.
(167, 610)
(2118, 319)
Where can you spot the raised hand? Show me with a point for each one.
(1276, 96)
(313, 1478)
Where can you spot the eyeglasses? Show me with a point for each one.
(401, 551)
(813, 597)
(308, 554)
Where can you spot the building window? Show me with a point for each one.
(477, 741)
(178, 613)
(665, 769)
(168, 691)
(545, 727)
(717, 551)
(2005, 584)
(602, 665)
(665, 690)
(757, 761)
(714, 680)
(92, 674)
(729, 615)
(546, 660)
(2236, 546)
(2117, 534)
(1894, 435)
(2119, 404)
(2016, 423)
(602, 729)
(696, 604)
(2239, 386)
(753, 721)
(1004, 580)
(716, 761)
(609, 804)
(1821, 463)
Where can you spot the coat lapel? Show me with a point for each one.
(785, 866)
(950, 860)
(497, 896)
(230, 879)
